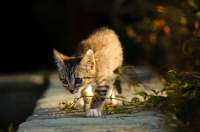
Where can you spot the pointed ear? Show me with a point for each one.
(88, 60)
(59, 58)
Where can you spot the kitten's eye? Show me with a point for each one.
(65, 81)
(78, 80)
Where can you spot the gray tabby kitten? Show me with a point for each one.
(89, 71)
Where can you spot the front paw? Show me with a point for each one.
(93, 112)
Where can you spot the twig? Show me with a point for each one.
(97, 96)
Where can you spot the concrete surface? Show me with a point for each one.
(48, 118)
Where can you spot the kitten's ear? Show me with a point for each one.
(88, 60)
(59, 58)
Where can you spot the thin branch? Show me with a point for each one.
(97, 96)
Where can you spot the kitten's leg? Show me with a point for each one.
(87, 97)
(97, 102)
(111, 94)
(80, 102)
(84, 101)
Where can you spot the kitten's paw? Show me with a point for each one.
(93, 112)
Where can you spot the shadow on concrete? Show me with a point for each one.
(18, 97)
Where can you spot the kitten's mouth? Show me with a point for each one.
(73, 91)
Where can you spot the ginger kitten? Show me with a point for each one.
(88, 72)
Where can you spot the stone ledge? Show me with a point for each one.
(47, 116)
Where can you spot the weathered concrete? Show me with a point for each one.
(47, 116)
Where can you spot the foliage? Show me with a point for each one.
(184, 95)
(157, 31)
(110, 109)
(183, 98)
(10, 128)
(191, 50)
(65, 105)
(117, 83)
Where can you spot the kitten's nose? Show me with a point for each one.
(71, 91)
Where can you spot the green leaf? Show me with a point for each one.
(184, 77)
(173, 76)
(143, 94)
(134, 100)
(190, 77)
(10, 128)
(191, 88)
(117, 84)
(163, 90)
(177, 122)
(155, 92)
(119, 110)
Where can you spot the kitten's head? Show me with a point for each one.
(76, 73)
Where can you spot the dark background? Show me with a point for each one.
(31, 29)
(153, 34)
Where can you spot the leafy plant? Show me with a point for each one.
(110, 109)
(65, 105)
(183, 98)
(184, 95)
(150, 101)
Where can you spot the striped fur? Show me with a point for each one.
(91, 68)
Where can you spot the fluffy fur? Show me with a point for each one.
(88, 72)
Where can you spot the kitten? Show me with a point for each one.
(89, 71)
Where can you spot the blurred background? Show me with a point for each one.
(161, 34)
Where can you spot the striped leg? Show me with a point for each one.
(96, 104)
